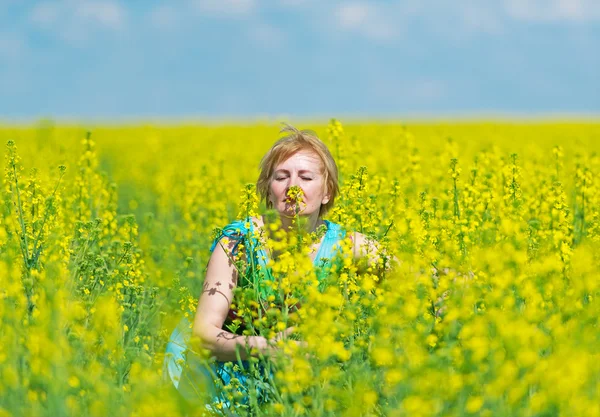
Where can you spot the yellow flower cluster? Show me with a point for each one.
(479, 294)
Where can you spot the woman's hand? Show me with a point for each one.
(285, 335)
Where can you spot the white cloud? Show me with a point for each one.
(45, 14)
(390, 20)
(455, 19)
(173, 16)
(353, 15)
(105, 13)
(74, 20)
(478, 18)
(224, 8)
(366, 19)
(553, 10)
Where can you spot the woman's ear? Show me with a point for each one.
(326, 194)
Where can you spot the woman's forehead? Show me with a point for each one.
(303, 159)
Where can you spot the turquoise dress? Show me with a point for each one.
(197, 380)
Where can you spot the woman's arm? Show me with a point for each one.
(213, 307)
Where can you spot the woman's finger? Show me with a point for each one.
(288, 331)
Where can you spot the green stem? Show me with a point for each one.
(456, 206)
(24, 243)
(36, 250)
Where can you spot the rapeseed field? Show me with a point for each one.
(482, 300)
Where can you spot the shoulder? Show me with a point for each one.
(241, 226)
(236, 232)
(362, 245)
(335, 230)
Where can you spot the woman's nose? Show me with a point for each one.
(292, 182)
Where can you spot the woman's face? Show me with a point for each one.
(303, 169)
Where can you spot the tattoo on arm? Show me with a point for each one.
(233, 282)
(214, 290)
(227, 336)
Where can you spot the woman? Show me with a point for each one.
(297, 162)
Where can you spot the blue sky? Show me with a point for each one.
(207, 59)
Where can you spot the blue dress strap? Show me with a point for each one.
(243, 231)
(236, 231)
(331, 243)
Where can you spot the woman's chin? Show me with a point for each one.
(292, 211)
(289, 214)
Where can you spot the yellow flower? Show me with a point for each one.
(73, 381)
(474, 404)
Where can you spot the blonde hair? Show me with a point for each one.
(297, 140)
